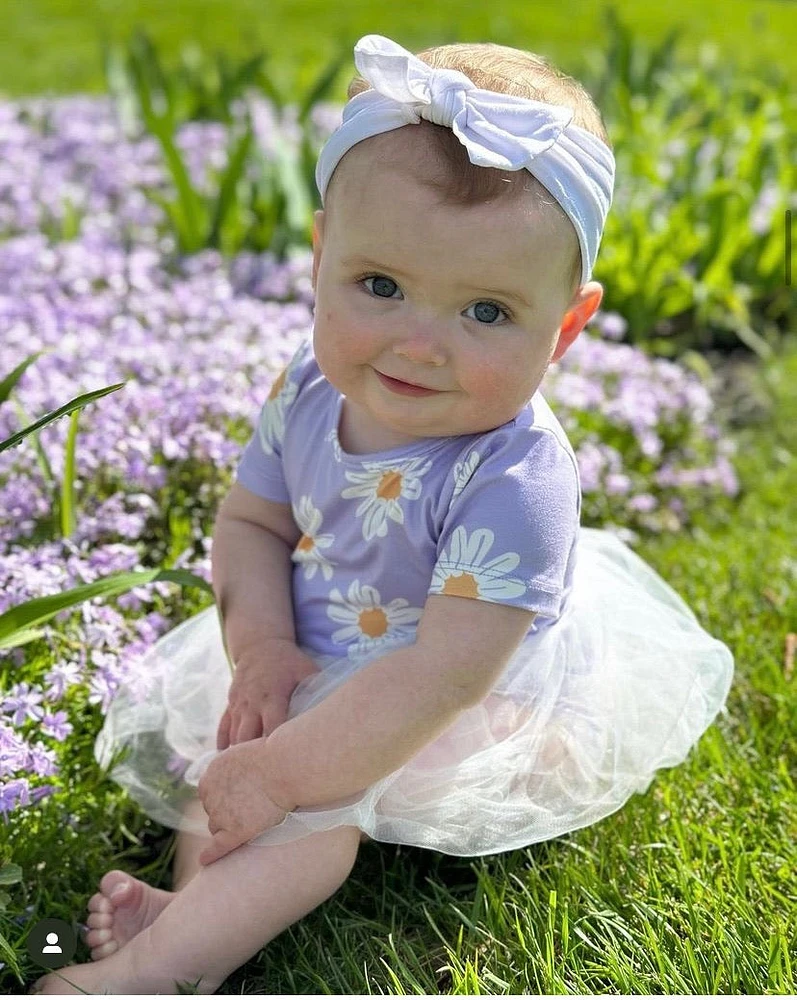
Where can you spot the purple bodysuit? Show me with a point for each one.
(491, 516)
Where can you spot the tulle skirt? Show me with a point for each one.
(584, 714)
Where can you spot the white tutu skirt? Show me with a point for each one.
(583, 715)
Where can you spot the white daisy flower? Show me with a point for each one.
(368, 622)
(463, 472)
(306, 552)
(333, 438)
(271, 428)
(383, 484)
(464, 573)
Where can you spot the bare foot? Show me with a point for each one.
(123, 907)
(119, 974)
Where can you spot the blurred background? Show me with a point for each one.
(53, 44)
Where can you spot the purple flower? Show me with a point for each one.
(41, 760)
(41, 792)
(59, 678)
(56, 725)
(13, 793)
(611, 325)
(23, 702)
(14, 751)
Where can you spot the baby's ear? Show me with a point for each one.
(583, 307)
(318, 238)
(318, 226)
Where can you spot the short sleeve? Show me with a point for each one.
(260, 467)
(512, 522)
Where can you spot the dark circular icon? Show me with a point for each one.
(52, 943)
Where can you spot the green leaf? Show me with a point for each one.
(321, 88)
(74, 404)
(68, 521)
(24, 637)
(41, 455)
(18, 620)
(11, 958)
(192, 206)
(10, 381)
(9, 874)
(226, 199)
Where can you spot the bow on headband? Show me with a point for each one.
(497, 130)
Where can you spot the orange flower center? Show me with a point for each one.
(463, 585)
(278, 384)
(373, 622)
(389, 486)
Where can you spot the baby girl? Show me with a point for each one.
(428, 649)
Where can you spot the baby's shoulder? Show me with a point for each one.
(534, 444)
(301, 377)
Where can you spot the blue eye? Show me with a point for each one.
(381, 279)
(484, 320)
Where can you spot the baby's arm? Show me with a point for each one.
(252, 571)
(386, 712)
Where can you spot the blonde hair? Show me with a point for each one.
(503, 70)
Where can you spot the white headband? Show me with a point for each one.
(498, 130)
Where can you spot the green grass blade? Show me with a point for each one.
(74, 404)
(9, 382)
(193, 210)
(8, 953)
(41, 455)
(68, 485)
(42, 609)
(321, 88)
(229, 184)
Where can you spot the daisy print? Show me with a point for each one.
(384, 485)
(271, 427)
(308, 549)
(369, 622)
(332, 437)
(463, 472)
(464, 571)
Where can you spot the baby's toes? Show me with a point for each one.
(97, 921)
(98, 936)
(99, 903)
(103, 950)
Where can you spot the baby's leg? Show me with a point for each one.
(125, 905)
(190, 846)
(223, 916)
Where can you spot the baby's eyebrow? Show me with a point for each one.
(361, 261)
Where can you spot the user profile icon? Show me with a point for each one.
(52, 943)
(52, 947)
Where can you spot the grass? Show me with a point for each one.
(54, 45)
(687, 889)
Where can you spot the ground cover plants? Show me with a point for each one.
(159, 258)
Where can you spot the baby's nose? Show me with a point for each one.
(421, 349)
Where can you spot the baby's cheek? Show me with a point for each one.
(490, 383)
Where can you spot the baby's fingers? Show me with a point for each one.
(274, 714)
(223, 732)
(249, 727)
(223, 843)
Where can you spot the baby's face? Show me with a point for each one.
(444, 309)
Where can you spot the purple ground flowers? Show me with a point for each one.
(199, 344)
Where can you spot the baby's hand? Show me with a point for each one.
(233, 792)
(261, 689)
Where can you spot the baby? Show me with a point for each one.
(418, 655)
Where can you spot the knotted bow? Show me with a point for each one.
(497, 130)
